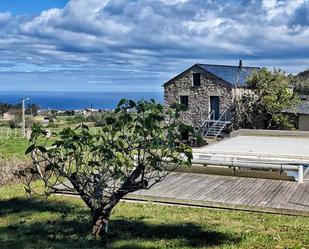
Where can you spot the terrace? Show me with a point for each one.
(262, 181)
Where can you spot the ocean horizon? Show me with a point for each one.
(73, 100)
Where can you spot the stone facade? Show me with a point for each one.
(199, 96)
(8, 116)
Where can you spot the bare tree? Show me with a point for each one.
(137, 145)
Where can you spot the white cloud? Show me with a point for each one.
(161, 36)
(5, 16)
(281, 10)
(269, 4)
(173, 2)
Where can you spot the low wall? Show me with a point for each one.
(269, 133)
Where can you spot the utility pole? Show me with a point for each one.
(23, 116)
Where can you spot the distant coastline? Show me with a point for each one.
(76, 100)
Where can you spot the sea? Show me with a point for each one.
(76, 100)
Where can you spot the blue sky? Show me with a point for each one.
(29, 7)
(136, 45)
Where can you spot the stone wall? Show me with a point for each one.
(199, 96)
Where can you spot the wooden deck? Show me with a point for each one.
(254, 194)
(262, 195)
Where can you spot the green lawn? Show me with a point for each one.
(13, 147)
(63, 222)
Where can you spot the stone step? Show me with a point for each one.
(214, 120)
(220, 123)
(215, 129)
(213, 132)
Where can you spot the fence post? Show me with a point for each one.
(300, 178)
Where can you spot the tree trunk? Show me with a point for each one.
(100, 223)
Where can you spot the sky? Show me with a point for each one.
(137, 45)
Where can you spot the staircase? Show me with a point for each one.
(214, 128)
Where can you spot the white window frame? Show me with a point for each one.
(192, 83)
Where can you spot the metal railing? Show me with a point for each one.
(208, 118)
(288, 166)
(220, 119)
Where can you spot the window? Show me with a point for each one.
(185, 135)
(196, 79)
(184, 100)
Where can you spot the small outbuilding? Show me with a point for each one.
(302, 115)
(9, 116)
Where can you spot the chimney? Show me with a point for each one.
(240, 64)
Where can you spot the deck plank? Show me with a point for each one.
(262, 195)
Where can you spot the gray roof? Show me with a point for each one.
(234, 75)
(299, 109)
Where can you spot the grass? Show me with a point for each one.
(13, 147)
(63, 222)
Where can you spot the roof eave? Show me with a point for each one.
(205, 71)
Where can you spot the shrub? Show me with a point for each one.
(8, 169)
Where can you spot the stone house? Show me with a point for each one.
(8, 116)
(207, 89)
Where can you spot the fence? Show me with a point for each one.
(9, 132)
